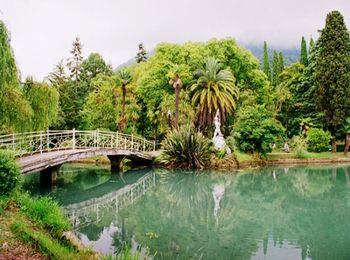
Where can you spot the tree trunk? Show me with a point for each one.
(123, 121)
(347, 143)
(177, 96)
(334, 144)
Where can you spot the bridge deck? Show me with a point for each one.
(38, 162)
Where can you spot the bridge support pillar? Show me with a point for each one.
(49, 176)
(116, 162)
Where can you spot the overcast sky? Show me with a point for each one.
(42, 31)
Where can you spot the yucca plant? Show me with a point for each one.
(185, 148)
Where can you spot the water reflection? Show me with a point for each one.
(273, 213)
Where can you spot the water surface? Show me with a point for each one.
(271, 213)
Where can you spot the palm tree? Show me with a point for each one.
(177, 85)
(125, 78)
(214, 90)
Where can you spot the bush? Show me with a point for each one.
(9, 173)
(299, 146)
(220, 153)
(186, 148)
(256, 130)
(318, 140)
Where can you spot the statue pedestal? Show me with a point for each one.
(220, 144)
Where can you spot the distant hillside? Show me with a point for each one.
(290, 55)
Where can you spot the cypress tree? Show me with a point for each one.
(332, 73)
(266, 63)
(311, 44)
(281, 62)
(303, 52)
(275, 69)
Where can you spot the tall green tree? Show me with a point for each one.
(214, 90)
(141, 55)
(266, 62)
(125, 78)
(311, 44)
(58, 76)
(303, 52)
(333, 73)
(280, 62)
(15, 110)
(74, 62)
(100, 110)
(276, 69)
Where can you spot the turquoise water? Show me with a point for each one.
(271, 213)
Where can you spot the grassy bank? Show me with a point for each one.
(37, 226)
(308, 155)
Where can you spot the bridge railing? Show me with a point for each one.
(55, 140)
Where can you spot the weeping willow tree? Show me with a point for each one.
(14, 108)
(44, 100)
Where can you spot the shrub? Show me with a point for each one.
(299, 146)
(186, 148)
(9, 173)
(318, 140)
(256, 130)
(220, 153)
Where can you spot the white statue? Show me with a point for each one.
(218, 138)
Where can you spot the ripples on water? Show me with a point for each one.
(271, 213)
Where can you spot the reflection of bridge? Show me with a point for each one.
(84, 212)
(37, 151)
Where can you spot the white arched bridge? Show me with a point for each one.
(45, 150)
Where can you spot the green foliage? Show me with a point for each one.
(287, 101)
(14, 108)
(90, 68)
(281, 62)
(101, 110)
(152, 77)
(318, 140)
(44, 100)
(266, 62)
(214, 89)
(299, 147)
(277, 68)
(332, 72)
(186, 148)
(303, 53)
(256, 130)
(45, 211)
(9, 173)
(220, 153)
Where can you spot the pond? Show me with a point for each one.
(272, 213)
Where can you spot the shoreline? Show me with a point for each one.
(248, 163)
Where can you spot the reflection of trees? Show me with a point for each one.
(306, 207)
